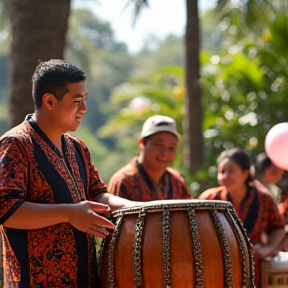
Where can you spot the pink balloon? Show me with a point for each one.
(276, 145)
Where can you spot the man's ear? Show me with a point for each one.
(47, 100)
(141, 142)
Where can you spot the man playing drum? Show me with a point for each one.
(51, 195)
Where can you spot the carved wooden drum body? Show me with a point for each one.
(178, 244)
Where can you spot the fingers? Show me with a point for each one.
(99, 207)
(99, 230)
(93, 227)
(99, 224)
(84, 216)
(95, 230)
(102, 221)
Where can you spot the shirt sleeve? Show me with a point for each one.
(13, 176)
(96, 185)
(119, 187)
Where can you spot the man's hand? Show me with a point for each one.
(84, 217)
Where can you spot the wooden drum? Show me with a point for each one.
(178, 244)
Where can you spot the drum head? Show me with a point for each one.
(181, 204)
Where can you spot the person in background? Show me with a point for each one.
(52, 199)
(255, 208)
(148, 177)
(283, 205)
(269, 175)
(273, 178)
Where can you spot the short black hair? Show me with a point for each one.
(52, 77)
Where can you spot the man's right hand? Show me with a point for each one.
(85, 217)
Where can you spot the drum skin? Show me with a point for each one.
(178, 244)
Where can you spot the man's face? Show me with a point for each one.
(159, 150)
(68, 112)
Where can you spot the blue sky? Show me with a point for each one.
(161, 18)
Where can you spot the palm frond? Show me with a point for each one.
(138, 5)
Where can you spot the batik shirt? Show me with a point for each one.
(32, 169)
(258, 213)
(133, 183)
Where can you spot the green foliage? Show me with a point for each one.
(3, 93)
(140, 98)
(107, 63)
(103, 158)
(158, 53)
(145, 96)
(138, 6)
(244, 94)
(3, 77)
(243, 78)
(213, 39)
(5, 35)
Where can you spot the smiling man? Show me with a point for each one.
(148, 176)
(51, 195)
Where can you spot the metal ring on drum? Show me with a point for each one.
(177, 244)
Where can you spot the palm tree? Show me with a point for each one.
(38, 33)
(192, 124)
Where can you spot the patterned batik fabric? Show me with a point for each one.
(133, 183)
(258, 213)
(32, 169)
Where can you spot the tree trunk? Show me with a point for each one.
(39, 30)
(193, 115)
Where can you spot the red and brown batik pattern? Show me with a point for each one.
(131, 184)
(11, 275)
(21, 180)
(268, 216)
